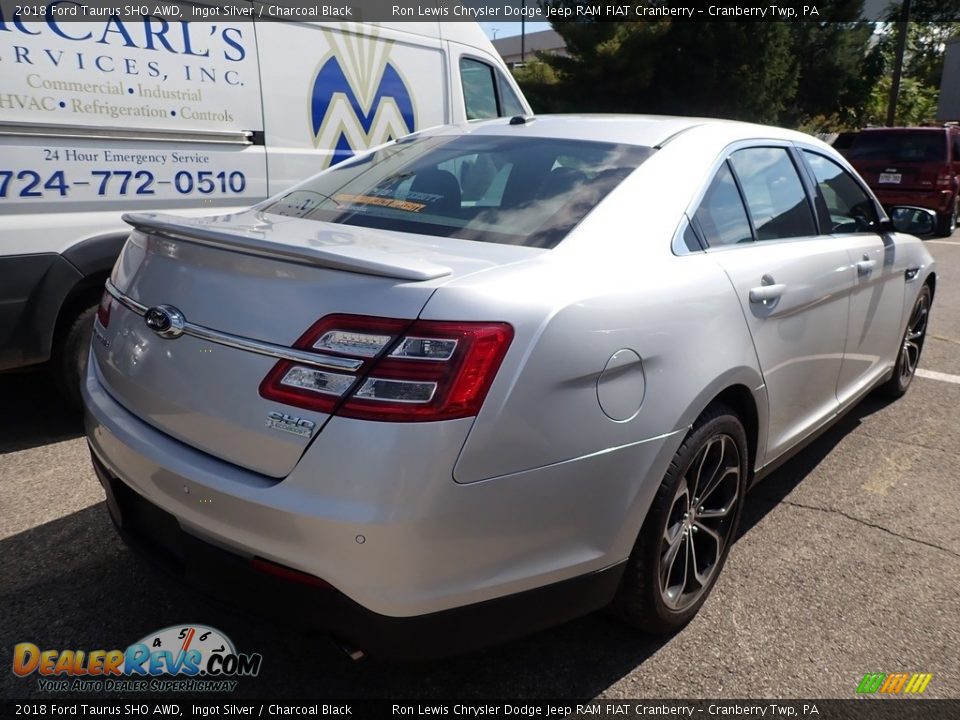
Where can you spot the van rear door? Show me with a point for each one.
(340, 89)
(118, 115)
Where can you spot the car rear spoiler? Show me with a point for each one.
(351, 258)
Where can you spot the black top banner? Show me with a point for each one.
(61, 11)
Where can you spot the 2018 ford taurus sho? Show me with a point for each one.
(490, 377)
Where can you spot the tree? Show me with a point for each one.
(837, 67)
(781, 73)
(738, 70)
(916, 103)
(931, 25)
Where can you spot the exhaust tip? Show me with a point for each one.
(355, 654)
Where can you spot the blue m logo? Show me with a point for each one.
(353, 108)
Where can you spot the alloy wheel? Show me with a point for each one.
(699, 524)
(913, 338)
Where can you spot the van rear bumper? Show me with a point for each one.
(264, 589)
(936, 200)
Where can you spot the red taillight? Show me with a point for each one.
(331, 385)
(945, 177)
(289, 574)
(103, 311)
(409, 371)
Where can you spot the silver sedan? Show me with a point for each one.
(490, 377)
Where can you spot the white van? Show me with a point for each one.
(102, 118)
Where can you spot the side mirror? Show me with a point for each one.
(913, 220)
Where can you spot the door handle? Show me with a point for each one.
(767, 292)
(865, 267)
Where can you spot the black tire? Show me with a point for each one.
(69, 361)
(947, 222)
(911, 345)
(645, 600)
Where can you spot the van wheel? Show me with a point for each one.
(686, 536)
(947, 222)
(70, 356)
(911, 345)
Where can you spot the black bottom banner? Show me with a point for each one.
(859, 709)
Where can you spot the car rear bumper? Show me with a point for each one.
(404, 548)
(244, 583)
(936, 200)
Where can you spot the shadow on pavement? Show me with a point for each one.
(771, 490)
(34, 413)
(72, 583)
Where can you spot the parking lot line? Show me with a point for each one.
(943, 377)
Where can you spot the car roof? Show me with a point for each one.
(642, 130)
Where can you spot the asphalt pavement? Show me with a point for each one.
(848, 562)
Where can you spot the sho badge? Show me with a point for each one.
(291, 424)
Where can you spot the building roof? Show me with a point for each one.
(543, 41)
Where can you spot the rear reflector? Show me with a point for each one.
(416, 371)
(285, 573)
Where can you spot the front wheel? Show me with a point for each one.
(911, 346)
(686, 536)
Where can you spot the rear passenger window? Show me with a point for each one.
(510, 102)
(479, 89)
(849, 208)
(486, 92)
(774, 193)
(721, 216)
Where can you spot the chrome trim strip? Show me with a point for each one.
(234, 341)
(73, 132)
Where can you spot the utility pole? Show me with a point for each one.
(523, 33)
(898, 63)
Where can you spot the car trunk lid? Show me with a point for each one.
(248, 286)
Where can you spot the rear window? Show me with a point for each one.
(510, 190)
(899, 146)
(844, 141)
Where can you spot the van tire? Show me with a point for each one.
(69, 360)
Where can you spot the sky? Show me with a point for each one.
(506, 29)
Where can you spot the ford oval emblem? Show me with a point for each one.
(165, 320)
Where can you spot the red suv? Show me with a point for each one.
(917, 166)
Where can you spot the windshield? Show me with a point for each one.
(900, 147)
(512, 190)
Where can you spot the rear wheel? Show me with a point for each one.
(69, 362)
(947, 222)
(910, 346)
(685, 539)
